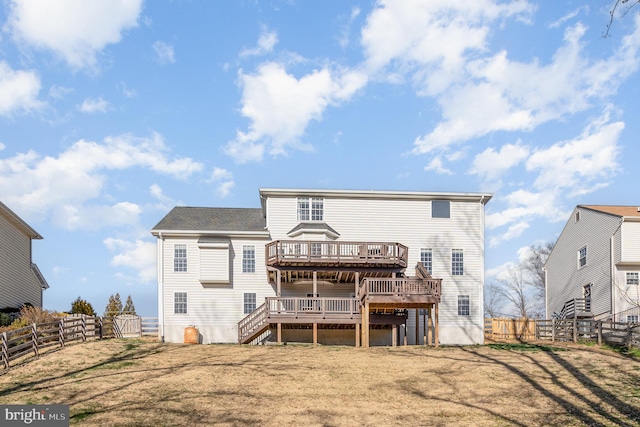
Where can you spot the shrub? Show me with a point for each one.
(80, 306)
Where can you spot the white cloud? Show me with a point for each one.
(513, 232)
(437, 166)
(266, 42)
(139, 255)
(280, 106)
(344, 39)
(223, 179)
(59, 92)
(67, 187)
(18, 90)
(164, 53)
(94, 105)
(75, 30)
(165, 203)
(2, 146)
(491, 164)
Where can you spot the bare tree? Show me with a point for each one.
(533, 267)
(493, 300)
(628, 5)
(519, 293)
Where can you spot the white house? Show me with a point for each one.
(20, 279)
(328, 266)
(593, 268)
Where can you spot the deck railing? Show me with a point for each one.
(252, 322)
(395, 287)
(331, 252)
(298, 307)
(573, 306)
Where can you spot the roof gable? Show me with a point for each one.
(620, 211)
(18, 222)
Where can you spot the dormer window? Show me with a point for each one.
(310, 209)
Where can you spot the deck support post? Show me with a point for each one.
(417, 326)
(437, 326)
(394, 335)
(279, 333)
(365, 325)
(424, 327)
(315, 333)
(575, 329)
(315, 284)
(357, 335)
(430, 325)
(278, 283)
(357, 285)
(404, 330)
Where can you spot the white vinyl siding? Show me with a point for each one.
(18, 283)
(214, 263)
(630, 244)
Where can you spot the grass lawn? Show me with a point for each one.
(144, 383)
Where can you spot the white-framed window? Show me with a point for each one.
(463, 305)
(310, 209)
(180, 303)
(249, 302)
(248, 259)
(633, 278)
(582, 257)
(426, 258)
(632, 318)
(180, 257)
(316, 249)
(457, 262)
(440, 209)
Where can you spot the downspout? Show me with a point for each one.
(160, 258)
(481, 312)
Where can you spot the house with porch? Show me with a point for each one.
(326, 266)
(21, 281)
(594, 267)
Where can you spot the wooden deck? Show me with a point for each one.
(313, 310)
(297, 253)
(400, 293)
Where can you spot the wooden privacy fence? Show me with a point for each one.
(600, 331)
(31, 340)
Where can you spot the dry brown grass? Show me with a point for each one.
(140, 383)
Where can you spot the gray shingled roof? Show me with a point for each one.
(183, 218)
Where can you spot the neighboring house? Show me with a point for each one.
(593, 268)
(20, 279)
(328, 266)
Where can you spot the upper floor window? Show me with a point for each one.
(457, 262)
(180, 257)
(632, 278)
(440, 209)
(310, 209)
(426, 258)
(632, 318)
(248, 259)
(463, 305)
(582, 257)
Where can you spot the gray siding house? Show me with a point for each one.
(20, 279)
(594, 266)
(327, 266)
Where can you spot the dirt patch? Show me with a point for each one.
(140, 383)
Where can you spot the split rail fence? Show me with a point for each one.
(600, 331)
(35, 338)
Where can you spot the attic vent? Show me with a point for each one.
(577, 216)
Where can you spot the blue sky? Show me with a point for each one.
(112, 112)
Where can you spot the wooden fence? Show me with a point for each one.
(600, 331)
(32, 339)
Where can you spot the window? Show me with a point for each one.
(426, 258)
(310, 209)
(632, 278)
(582, 257)
(577, 216)
(180, 257)
(180, 303)
(440, 209)
(316, 249)
(463, 305)
(632, 318)
(248, 259)
(457, 262)
(249, 303)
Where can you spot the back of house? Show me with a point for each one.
(307, 258)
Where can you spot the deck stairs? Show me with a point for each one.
(253, 325)
(577, 307)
